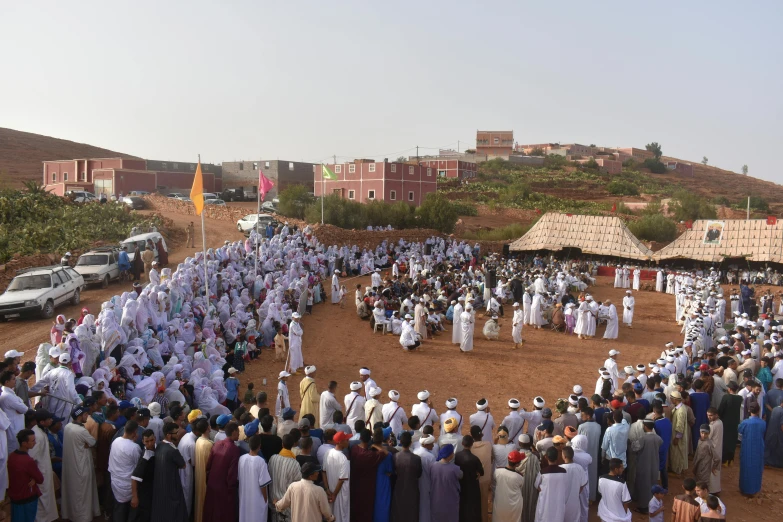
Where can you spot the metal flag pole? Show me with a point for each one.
(204, 245)
(323, 190)
(258, 211)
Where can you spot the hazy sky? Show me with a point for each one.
(303, 80)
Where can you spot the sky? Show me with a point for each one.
(306, 80)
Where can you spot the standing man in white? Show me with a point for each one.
(335, 288)
(516, 326)
(628, 305)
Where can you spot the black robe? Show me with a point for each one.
(470, 493)
(144, 476)
(405, 501)
(168, 499)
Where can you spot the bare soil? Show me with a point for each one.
(550, 363)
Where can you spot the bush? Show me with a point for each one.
(654, 227)
(759, 203)
(437, 212)
(687, 206)
(629, 164)
(538, 151)
(37, 222)
(294, 201)
(465, 209)
(512, 231)
(622, 188)
(555, 161)
(722, 201)
(655, 166)
(622, 208)
(591, 164)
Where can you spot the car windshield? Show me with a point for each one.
(30, 282)
(92, 260)
(251, 217)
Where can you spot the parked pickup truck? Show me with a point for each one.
(99, 266)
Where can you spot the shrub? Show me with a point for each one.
(759, 203)
(294, 201)
(629, 164)
(655, 166)
(687, 206)
(465, 209)
(654, 227)
(722, 201)
(538, 151)
(437, 212)
(622, 188)
(555, 161)
(622, 208)
(512, 231)
(591, 164)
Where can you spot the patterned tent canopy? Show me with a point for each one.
(599, 235)
(715, 240)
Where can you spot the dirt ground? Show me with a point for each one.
(550, 363)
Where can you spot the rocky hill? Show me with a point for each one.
(21, 154)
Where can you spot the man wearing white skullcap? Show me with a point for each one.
(451, 413)
(393, 413)
(628, 308)
(295, 332)
(424, 410)
(483, 419)
(354, 405)
(533, 418)
(364, 375)
(641, 375)
(309, 394)
(516, 326)
(424, 450)
(611, 366)
(372, 409)
(629, 373)
(513, 421)
(328, 405)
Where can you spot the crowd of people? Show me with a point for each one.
(138, 413)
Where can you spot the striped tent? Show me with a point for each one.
(598, 235)
(715, 240)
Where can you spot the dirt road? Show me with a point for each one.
(550, 363)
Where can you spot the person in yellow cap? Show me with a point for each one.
(451, 434)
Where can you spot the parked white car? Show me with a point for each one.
(141, 241)
(248, 223)
(215, 202)
(99, 266)
(175, 195)
(81, 196)
(38, 291)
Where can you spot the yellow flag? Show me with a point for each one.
(197, 192)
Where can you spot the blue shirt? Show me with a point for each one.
(615, 442)
(232, 388)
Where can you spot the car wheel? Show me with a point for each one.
(77, 296)
(239, 227)
(47, 312)
(105, 283)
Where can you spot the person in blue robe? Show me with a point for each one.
(383, 478)
(773, 442)
(663, 427)
(752, 430)
(700, 401)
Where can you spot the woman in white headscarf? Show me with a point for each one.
(41, 359)
(153, 354)
(90, 349)
(172, 394)
(188, 334)
(206, 399)
(216, 383)
(201, 363)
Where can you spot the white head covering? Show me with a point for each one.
(309, 369)
(451, 403)
(394, 395)
(356, 385)
(423, 395)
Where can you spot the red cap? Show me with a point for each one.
(616, 404)
(340, 436)
(515, 457)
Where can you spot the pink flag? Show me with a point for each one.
(264, 184)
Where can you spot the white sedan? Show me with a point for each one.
(216, 202)
(248, 223)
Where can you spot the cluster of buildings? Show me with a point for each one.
(361, 180)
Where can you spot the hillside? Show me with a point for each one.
(21, 154)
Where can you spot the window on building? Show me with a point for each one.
(290, 166)
(54, 177)
(351, 168)
(429, 171)
(193, 166)
(255, 165)
(84, 176)
(497, 141)
(351, 194)
(410, 170)
(175, 166)
(393, 195)
(65, 176)
(266, 164)
(442, 173)
(241, 166)
(394, 168)
(410, 196)
(338, 169)
(371, 167)
(370, 194)
(164, 166)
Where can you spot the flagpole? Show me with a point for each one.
(258, 211)
(323, 189)
(204, 249)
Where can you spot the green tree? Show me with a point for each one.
(654, 227)
(294, 201)
(745, 170)
(656, 166)
(401, 159)
(622, 188)
(688, 206)
(538, 151)
(437, 212)
(759, 203)
(32, 187)
(591, 164)
(655, 148)
(704, 160)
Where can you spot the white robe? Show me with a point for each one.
(508, 495)
(618, 278)
(456, 332)
(337, 467)
(253, 475)
(659, 281)
(628, 304)
(516, 326)
(187, 448)
(47, 504)
(326, 408)
(427, 460)
(591, 318)
(526, 302)
(466, 324)
(295, 332)
(637, 275)
(612, 324)
(335, 289)
(581, 318)
(5, 425)
(79, 488)
(536, 314)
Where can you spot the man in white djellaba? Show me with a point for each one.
(516, 326)
(628, 306)
(612, 322)
(466, 324)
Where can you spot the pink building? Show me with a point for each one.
(451, 168)
(684, 169)
(365, 181)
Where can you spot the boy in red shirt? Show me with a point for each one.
(23, 489)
